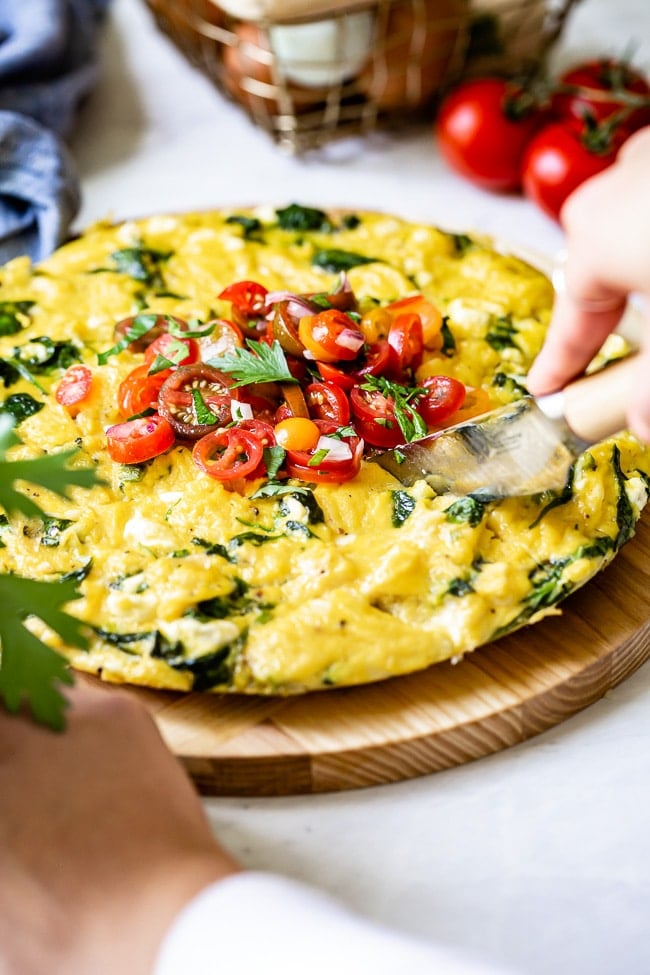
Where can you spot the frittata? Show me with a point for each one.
(257, 563)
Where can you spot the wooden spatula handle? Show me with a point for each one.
(595, 405)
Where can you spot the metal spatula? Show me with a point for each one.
(524, 448)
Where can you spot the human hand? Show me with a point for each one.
(607, 224)
(102, 840)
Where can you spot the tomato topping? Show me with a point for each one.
(332, 374)
(139, 390)
(330, 336)
(297, 433)
(430, 317)
(307, 465)
(196, 399)
(223, 338)
(138, 440)
(375, 324)
(294, 400)
(406, 344)
(476, 401)
(246, 297)
(74, 387)
(327, 401)
(176, 352)
(228, 454)
(374, 418)
(444, 396)
(285, 329)
(160, 326)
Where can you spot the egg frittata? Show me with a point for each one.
(226, 373)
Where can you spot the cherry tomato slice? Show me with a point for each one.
(247, 297)
(406, 344)
(139, 390)
(327, 401)
(330, 336)
(138, 440)
(159, 328)
(228, 454)
(177, 351)
(285, 329)
(477, 400)
(374, 418)
(297, 433)
(74, 387)
(177, 400)
(430, 317)
(297, 462)
(444, 396)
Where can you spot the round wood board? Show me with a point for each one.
(397, 729)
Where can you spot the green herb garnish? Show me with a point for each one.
(259, 363)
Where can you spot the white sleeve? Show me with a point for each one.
(256, 922)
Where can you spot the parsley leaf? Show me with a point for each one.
(49, 471)
(408, 419)
(260, 363)
(30, 671)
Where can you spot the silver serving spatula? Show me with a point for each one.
(526, 447)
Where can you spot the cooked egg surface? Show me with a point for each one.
(188, 585)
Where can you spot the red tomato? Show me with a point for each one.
(74, 387)
(179, 352)
(247, 297)
(374, 418)
(160, 326)
(139, 390)
(138, 440)
(177, 400)
(444, 396)
(600, 89)
(327, 401)
(406, 344)
(430, 316)
(483, 127)
(227, 454)
(558, 160)
(330, 336)
(297, 462)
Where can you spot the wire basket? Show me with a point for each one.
(309, 71)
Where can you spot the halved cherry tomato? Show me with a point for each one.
(430, 316)
(139, 390)
(227, 454)
(327, 401)
(297, 462)
(444, 396)
(330, 336)
(374, 418)
(477, 400)
(138, 440)
(297, 433)
(375, 361)
(224, 337)
(285, 329)
(247, 297)
(178, 352)
(264, 431)
(74, 387)
(160, 326)
(406, 344)
(177, 400)
(375, 324)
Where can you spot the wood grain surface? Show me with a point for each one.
(498, 696)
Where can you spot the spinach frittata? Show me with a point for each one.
(258, 562)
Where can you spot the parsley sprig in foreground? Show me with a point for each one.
(31, 672)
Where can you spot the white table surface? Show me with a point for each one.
(537, 857)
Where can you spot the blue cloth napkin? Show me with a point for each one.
(48, 51)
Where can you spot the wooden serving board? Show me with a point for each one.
(409, 726)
